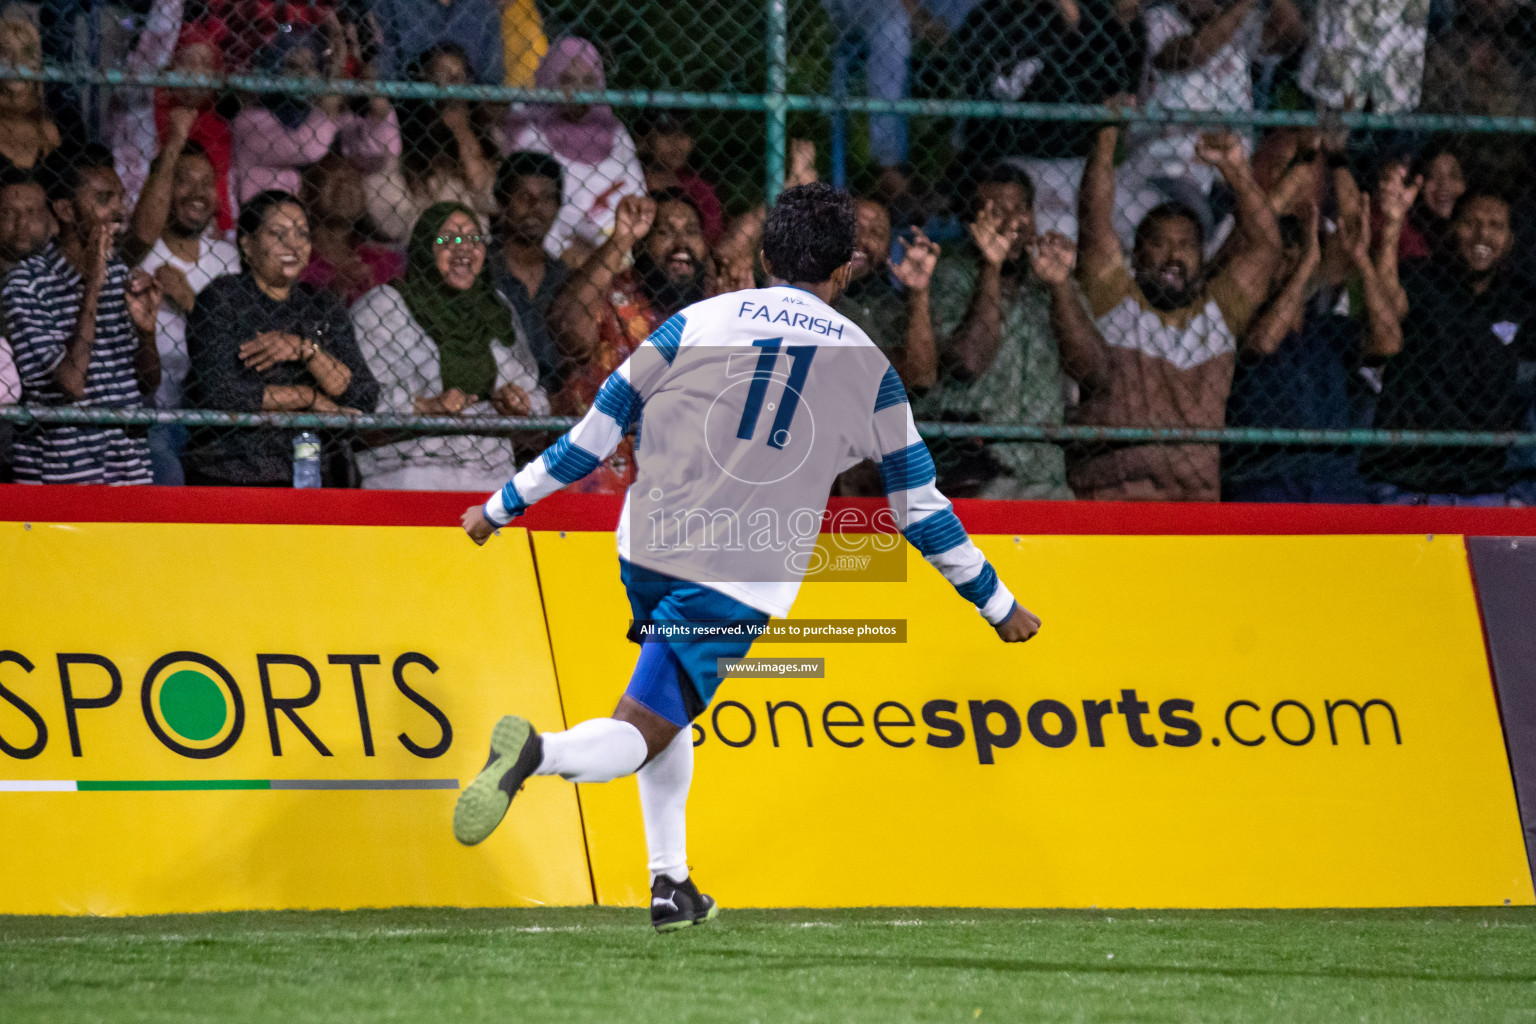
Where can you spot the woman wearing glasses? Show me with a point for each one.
(443, 344)
(261, 340)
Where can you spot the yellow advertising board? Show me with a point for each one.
(201, 717)
(1203, 721)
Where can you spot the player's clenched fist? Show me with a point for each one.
(480, 528)
(1019, 626)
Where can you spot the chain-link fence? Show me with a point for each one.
(1190, 250)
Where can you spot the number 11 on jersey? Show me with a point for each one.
(800, 357)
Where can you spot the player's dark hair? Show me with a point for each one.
(809, 233)
(526, 164)
(63, 170)
(1171, 210)
(1002, 173)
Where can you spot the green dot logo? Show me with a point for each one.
(192, 704)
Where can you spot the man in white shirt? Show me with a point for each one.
(184, 259)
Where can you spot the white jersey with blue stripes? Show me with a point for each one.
(746, 407)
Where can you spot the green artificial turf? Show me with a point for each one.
(592, 964)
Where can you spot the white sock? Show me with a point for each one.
(663, 803)
(597, 750)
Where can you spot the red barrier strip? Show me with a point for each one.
(281, 505)
(601, 513)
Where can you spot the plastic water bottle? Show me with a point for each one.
(306, 459)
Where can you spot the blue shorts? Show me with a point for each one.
(676, 678)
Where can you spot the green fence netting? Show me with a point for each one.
(1192, 250)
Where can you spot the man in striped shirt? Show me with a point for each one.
(82, 329)
(752, 403)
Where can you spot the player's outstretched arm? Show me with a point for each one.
(581, 450)
(614, 412)
(928, 520)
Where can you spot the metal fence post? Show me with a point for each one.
(778, 87)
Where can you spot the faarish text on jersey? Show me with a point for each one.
(815, 324)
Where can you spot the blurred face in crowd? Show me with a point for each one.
(195, 59)
(670, 260)
(1443, 185)
(871, 238)
(459, 251)
(97, 202)
(301, 62)
(278, 251)
(1168, 260)
(24, 221)
(580, 76)
(334, 192)
(20, 50)
(530, 210)
(194, 196)
(668, 149)
(1482, 235)
(1013, 204)
(448, 69)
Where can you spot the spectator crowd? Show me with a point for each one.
(298, 250)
